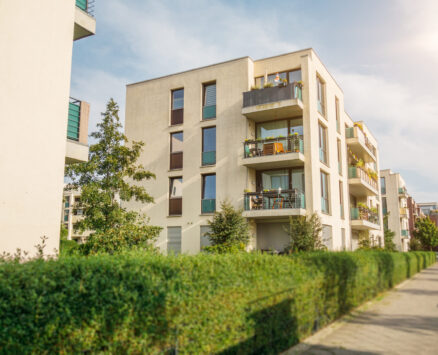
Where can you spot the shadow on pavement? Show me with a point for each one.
(323, 350)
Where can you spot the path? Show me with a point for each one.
(404, 321)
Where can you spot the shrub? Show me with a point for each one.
(137, 303)
(305, 233)
(427, 233)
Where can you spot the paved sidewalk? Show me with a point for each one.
(404, 321)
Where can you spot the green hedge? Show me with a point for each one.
(241, 303)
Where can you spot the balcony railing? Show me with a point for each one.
(403, 211)
(208, 158)
(364, 214)
(271, 146)
(402, 191)
(356, 172)
(208, 205)
(274, 199)
(209, 112)
(273, 94)
(74, 119)
(86, 5)
(356, 132)
(405, 233)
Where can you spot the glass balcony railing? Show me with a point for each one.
(405, 233)
(209, 112)
(74, 119)
(356, 132)
(272, 146)
(272, 94)
(356, 172)
(364, 214)
(209, 158)
(86, 5)
(274, 199)
(402, 191)
(208, 205)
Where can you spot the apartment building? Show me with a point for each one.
(430, 209)
(71, 214)
(41, 129)
(395, 205)
(271, 136)
(415, 213)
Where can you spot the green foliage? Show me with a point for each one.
(63, 232)
(427, 233)
(68, 247)
(389, 240)
(107, 178)
(415, 244)
(141, 303)
(364, 240)
(305, 233)
(229, 230)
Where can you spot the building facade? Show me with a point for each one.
(395, 205)
(271, 136)
(36, 41)
(430, 209)
(72, 213)
(415, 213)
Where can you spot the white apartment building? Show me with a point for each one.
(395, 204)
(72, 213)
(271, 136)
(41, 129)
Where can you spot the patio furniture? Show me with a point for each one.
(257, 202)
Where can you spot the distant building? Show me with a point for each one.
(71, 214)
(415, 213)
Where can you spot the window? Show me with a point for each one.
(208, 203)
(279, 128)
(176, 150)
(205, 240)
(323, 144)
(177, 114)
(66, 216)
(324, 193)
(339, 157)
(327, 236)
(382, 185)
(209, 146)
(338, 118)
(209, 101)
(173, 240)
(320, 87)
(292, 178)
(277, 78)
(384, 206)
(341, 198)
(175, 196)
(344, 241)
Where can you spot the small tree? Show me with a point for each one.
(104, 181)
(415, 244)
(228, 229)
(364, 240)
(305, 233)
(427, 233)
(389, 240)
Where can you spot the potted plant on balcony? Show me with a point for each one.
(283, 82)
(359, 164)
(372, 174)
(268, 85)
(255, 87)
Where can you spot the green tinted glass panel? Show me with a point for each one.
(354, 213)
(349, 132)
(82, 4)
(208, 206)
(352, 172)
(208, 158)
(208, 112)
(73, 121)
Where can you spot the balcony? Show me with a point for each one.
(274, 203)
(405, 233)
(360, 144)
(273, 103)
(85, 23)
(361, 184)
(402, 191)
(403, 211)
(363, 218)
(273, 153)
(77, 131)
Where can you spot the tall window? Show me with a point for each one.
(325, 193)
(323, 144)
(173, 240)
(338, 117)
(320, 88)
(383, 185)
(209, 101)
(341, 198)
(177, 114)
(175, 196)
(176, 150)
(208, 203)
(384, 206)
(339, 157)
(209, 146)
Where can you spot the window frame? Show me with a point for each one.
(327, 189)
(323, 139)
(321, 95)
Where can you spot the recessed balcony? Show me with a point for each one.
(363, 218)
(77, 131)
(273, 102)
(361, 184)
(359, 144)
(279, 152)
(274, 204)
(85, 23)
(403, 212)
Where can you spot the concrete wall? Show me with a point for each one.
(36, 39)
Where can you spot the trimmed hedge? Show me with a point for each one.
(240, 303)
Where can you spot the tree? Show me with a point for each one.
(305, 233)
(389, 240)
(426, 232)
(105, 181)
(228, 230)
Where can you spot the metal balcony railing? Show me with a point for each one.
(272, 146)
(86, 5)
(356, 172)
(402, 191)
(273, 94)
(356, 132)
(274, 199)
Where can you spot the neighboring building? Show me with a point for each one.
(430, 209)
(275, 152)
(36, 41)
(415, 213)
(72, 213)
(395, 203)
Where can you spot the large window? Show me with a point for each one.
(292, 178)
(175, 196)
(276, 78)
(173, 240)
(176, 150)
(208, 203)
(339, 157)
(320, 92)
(209, 101)
(177, 114)
(205, 239)
(280, 128)
(384, 206)
(209, 146)
(382, 185)
(341, 198)
(325, 193)
(323, 144)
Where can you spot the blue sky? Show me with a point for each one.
(384, 55)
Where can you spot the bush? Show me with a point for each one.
(235, 303)
(305, 233)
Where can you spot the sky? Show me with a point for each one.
(383, 54)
